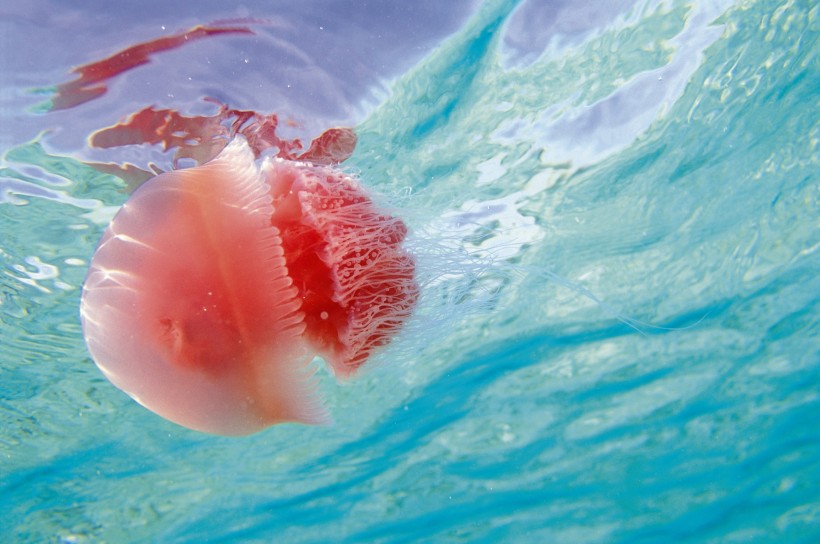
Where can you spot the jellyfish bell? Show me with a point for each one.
(214, 287)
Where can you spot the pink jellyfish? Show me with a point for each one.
(215, 286)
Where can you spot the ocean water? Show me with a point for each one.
(615, 209)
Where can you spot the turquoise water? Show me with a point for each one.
(662, 156)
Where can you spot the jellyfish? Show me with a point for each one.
(214, 287)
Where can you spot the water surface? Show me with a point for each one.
(661, 155)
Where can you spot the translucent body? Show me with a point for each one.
(214, 287)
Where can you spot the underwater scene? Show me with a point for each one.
(373, 271)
